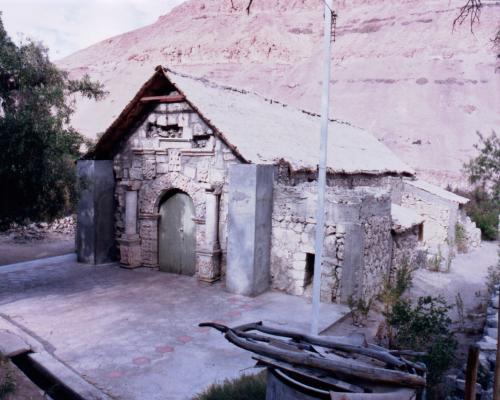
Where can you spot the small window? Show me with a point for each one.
(309, 269)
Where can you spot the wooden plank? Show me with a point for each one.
(471, 373)
(163, 99)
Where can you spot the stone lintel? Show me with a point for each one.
(140, 152)
(197, 152)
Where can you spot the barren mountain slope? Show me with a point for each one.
(398, 68)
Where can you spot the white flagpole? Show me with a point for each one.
(320, 212)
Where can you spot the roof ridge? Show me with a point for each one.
(216, 85)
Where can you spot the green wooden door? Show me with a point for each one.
(176, 235)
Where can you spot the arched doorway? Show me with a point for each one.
(176, 234)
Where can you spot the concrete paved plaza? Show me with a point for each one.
(133, 333)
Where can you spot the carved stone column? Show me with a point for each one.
(209, 254)
(130, 243)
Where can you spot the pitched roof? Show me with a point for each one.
(438, 191)
(265, 131)
(404, 218)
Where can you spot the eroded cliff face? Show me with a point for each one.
(399, 70)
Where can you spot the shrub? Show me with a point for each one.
(359, 308)
(247, 387)
(425, 327)
(7, 383)
(460, 238)
(483, 172)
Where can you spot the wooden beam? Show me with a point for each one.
(177, 98)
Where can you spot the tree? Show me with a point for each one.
(471, 11)
(38, 146)
(483, 172)
(484, 169)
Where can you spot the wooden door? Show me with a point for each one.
(176, 235)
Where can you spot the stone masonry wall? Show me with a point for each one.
(439, 223)
(171, 148)
(377, 253)
(293, 231)
(406, 248)
(471, 233)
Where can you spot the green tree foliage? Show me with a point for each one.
(425, 327)
(484, 173)
(38, 145)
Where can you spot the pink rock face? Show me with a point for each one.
(399, 70)
(164, 349)
(141, 360)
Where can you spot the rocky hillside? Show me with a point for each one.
(398, 68)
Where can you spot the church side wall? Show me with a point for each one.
(357, 240)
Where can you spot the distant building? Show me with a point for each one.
(200, 179)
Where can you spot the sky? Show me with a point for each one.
(65, 26)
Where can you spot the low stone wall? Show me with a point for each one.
(471, 234)
(487, 358)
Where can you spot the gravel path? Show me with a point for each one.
(467, 276)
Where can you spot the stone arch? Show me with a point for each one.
(151, 194)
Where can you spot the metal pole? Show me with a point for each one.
(320, 212)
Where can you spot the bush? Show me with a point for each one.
(425, 327)
(483, 172)
(7, 383)
(247, 387)
(483, 210)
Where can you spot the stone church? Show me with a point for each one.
(200, 179)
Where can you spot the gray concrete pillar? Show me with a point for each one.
(353, 264)
(249, 228)
(95, 232)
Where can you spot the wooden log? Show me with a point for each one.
(343, 367)
(471, 373)
(345, 344)
(325, 341)
(312, 375)
(163, 99)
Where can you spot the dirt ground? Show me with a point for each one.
(467, 277)
(14, 385)
(53, 244)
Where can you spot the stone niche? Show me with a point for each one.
(356, 254)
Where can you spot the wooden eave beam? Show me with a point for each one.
(163, 99)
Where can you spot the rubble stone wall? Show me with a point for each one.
(366, 210)
(471, 233)
(440, 217)
(406, 248)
